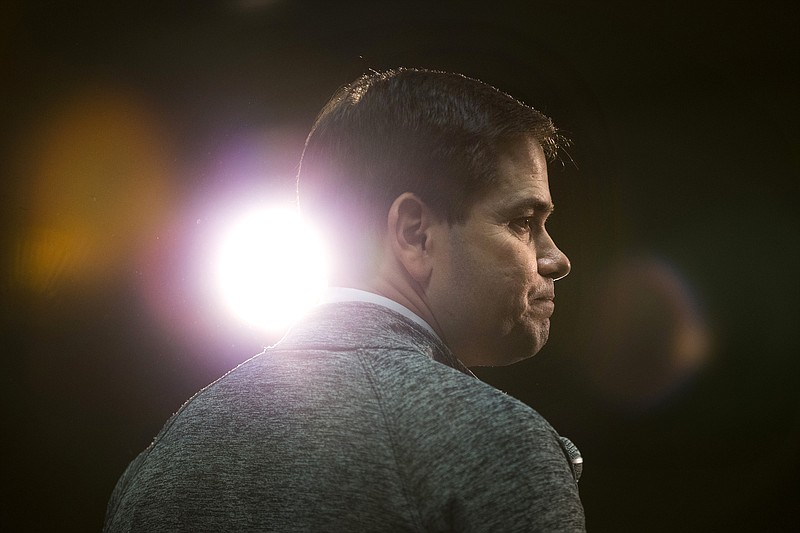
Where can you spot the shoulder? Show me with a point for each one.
(435, 407)
(417, 385)
(477, 458)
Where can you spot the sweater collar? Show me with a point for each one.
(347, 294)
(353, 325)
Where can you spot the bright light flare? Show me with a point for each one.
(271, 268)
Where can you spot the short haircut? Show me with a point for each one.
(436, 134)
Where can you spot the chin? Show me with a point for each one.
(509, 353)
(524, 340)
(528, 347)
(502, 361)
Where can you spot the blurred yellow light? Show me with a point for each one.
(95, 174)
(271, 268)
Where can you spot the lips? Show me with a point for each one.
(544, 291)
(545, 296)
(545, 304)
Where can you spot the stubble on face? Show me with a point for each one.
(495, 302)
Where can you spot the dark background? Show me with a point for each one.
(127, 132)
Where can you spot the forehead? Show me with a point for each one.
(522, 181)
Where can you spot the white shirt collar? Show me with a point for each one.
(347, 294)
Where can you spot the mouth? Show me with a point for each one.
(545, 296)
(545, 304)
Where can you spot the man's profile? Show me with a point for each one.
(432, 191)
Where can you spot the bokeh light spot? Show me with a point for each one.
(95, 188)
(649, 337)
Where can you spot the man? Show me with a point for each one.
(433, 194)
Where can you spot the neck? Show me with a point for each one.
(404, 292)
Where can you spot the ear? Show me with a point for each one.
(410, 221)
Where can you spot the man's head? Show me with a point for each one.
(411, 176)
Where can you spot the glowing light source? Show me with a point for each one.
(271, 268)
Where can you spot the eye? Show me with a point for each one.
(522, 224)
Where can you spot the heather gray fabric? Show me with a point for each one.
(358, 420)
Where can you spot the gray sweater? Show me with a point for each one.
(358, 420)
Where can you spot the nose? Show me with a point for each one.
(550, 260)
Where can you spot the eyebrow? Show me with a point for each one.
(535, 204)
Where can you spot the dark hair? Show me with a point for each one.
(436, 134)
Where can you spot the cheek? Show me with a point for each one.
(514, 277)
(520, 264)
(496, 270)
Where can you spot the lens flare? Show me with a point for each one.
(649, 335)
(93, 189)
(271, 268)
